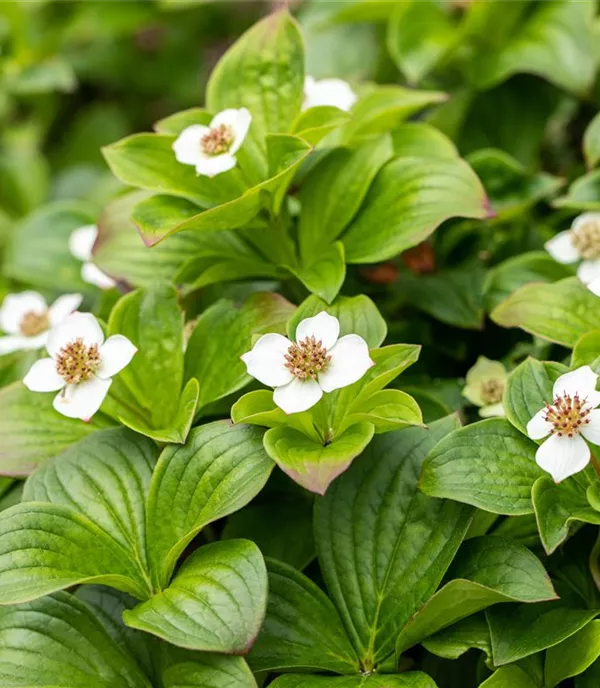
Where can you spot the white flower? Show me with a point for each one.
(333, 92)
(320, 361)
(581, 242)
(571, 417)
(485, 386)
(27, 320)
(211, 150)
(81, 365)
(81, 243)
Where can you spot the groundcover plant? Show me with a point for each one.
(299, 383)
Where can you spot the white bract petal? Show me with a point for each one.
(42, 377)
(14, 342)
(591, 430)
(563, 456)
(212, 166)
(63, 306)
(323, 327)
(297, 395)
(594, 286)
(82, 326)
(562, 248)
(82, 400)
(92, 274)
(116, 352)
(239, 122)
(585, 218)
(580, 382)
(82, 240)
(588, 271)
(350, 360)
(538, 427)
(333, 92)
(16, 306)
(188, 145)
(492, 411)
(266, 360)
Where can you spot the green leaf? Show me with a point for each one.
(574, 655)
(316, 122)
(488, 464)
(561, 312)
(554, 41)
(454, 641)
(558, 507)
(529, 389)
(48, 547)
(215, 603)
(174, 124)
(587, 351)
(511, 274)
(310, 463)
(411, 679)
(31, 431)
(389, 409)
(357, 315)
(147, 395)
(509, 677)
(325, 275)
(518, 631)
(218, 368)
(54, 73)
(591, 142)
(38, 252)
(208, 671)
(419, 34)
(263, 71)
(147, 161)
(57, 641)
(302, 629)
(583, 194)
(401, 209)
(219, 470)
(486, 570)
(334, 191)
(377, 589)
(417, 139)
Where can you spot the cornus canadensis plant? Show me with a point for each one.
(81, 244)
(333, 92)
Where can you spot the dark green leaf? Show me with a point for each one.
(574, 655)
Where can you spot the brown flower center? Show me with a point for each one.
(587, 240)
(492, 391)
(77, 362)
(217, 140)
(307, 359)
(567, 415)
(33, 323)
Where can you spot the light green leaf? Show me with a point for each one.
(417, 139)
(174, 124)
(310, 463)
(574, 655)
(528, 389)
(218, 368)
(263, 71)
(54, 73)
(582, 195)
(357, 315)
(554, 41)
(454, 641)
(57, 641)
(316, 122)
(591, 142)
(208, 671)
(533, 266)
(587, 351)
(411, 679)
(509, 677)
(401, 210)
(389, 409)
(488, 464)
(31, 431)
(486, 570)
(561, 312)
(325, 275)
(377, 589)
(219, 470)
(302, 629)
(215, 603)
(518, 631)
(334, 191)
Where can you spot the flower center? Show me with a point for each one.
(33, 323)
(587, 240)
(491, 391)
(217, 140)
(77, 362)
(567, 415)
(307, 359)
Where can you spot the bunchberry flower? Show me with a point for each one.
(333, 92)
(571, 417)
(81, 244)
(485, 386)
(211, 149)
(319, 361)
(81, 365)
(27, 319)
(580, 243)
